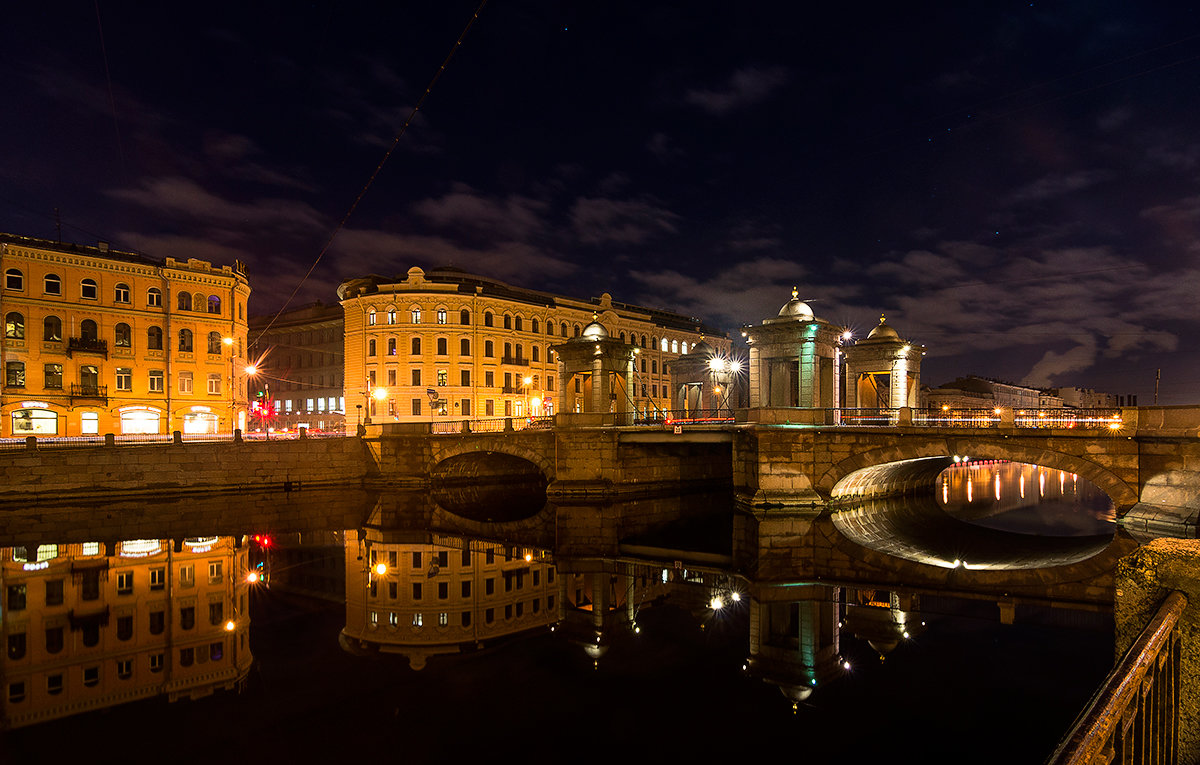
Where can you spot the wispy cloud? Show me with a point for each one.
(743, 88)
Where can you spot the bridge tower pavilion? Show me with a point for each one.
(794, 359)
(883, 370)
(596, 373)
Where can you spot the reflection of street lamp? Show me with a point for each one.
(380, 395)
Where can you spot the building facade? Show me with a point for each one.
(452, 344)
(299, 369)
(101, 341)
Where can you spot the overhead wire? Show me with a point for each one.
(391, 149)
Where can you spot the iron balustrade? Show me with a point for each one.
(957, 418)
(89, 391)
(1134, 717)
(87, 345)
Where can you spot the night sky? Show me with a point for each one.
(1016, 185)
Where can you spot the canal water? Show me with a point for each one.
(397, 641)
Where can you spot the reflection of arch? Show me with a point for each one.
(537, 457)
(893, 458)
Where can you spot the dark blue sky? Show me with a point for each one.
(1016, 186)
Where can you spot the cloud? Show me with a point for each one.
(1054, 364)
(663, 148)
(511, 217)
(597, 220)
(183, 197)
(1058, 185)
(743, 88)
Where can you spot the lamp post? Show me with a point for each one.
(526, 382)
(228, 341)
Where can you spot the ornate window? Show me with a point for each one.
(52, 284)
(14, 326)
(185, 341)
(123, 336)
(14, 279)
(154, 297)
(88, 289)
(121, 293)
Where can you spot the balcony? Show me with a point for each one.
(87, 345)
(89, 392)
(517, 360)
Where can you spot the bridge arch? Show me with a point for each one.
(531, 452)
(903, 463)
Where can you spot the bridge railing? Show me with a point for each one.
(862, 416)
(957, 418)
(1067, 418)
(1134, 716)
(138, 439)
(491, 425)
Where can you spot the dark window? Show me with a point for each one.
(416, 377)
(487, 319)
(416, 589)
(214, 304)
(442, 346)
(53, 285)
(16, 645)
(54, 639)
(123, 336)
(187, 656)
(15, 280)
(158, 622)
(214, 343)
(507, 321)
(416, 346)
(89, 585)
(216, 613)
(124, 627)
(464, 317)
(154, 338)
(87, 289)
(185, 301)
(91, 634)
(185, 341)
(121, 293)
(464, 347)
(187, 617)
(54, 592)
(489, 349)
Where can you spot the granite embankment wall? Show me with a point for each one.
(34, 475)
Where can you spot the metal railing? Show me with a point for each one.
(862, 416)
(1067, 418)
(491, 425)
(956, 418)
(1134, 716)
(138, 439)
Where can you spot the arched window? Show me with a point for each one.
(52, 284)
(622, 336)
(674, 346)
(185, 301)
(154, 338)
(14, 279)
(489, 349)
(441, 316)
(507, 321)
(371, 347)
(664, 345)
(121, 293)
(507, 351)
(533, 350)
(464, 316)
(391, 346)
(88, 289)
(371, 317)
(518, 324)
(416, 316)
(185, 341)
(487, 319)
(122, 336)
(14, 326)
(563, 327)
(197, 302)
(214, 304)
(533, 325)
(578, 329)
(643, 341)
(214, 342)
(464, 347)
(52, 329)
(154, 297)
(683, 346)
(88, 331)
(416, 346)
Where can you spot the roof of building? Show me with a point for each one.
(883, 331)
(796, 308)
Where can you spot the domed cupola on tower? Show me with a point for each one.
(793, 359)
(883, 370)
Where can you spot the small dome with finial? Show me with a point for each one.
(594, 330)
(796, 308)
(883, 331)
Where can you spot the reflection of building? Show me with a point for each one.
(87, 627)
(882, 618)
(299, 360)
(794, 644)
(101, 341)
(451, 343)
(422, 600)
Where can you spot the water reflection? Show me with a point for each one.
(92, 625)
(1026, 499)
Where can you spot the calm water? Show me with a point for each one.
(392, 642)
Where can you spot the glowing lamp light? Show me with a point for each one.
(252, 577)
(735, 366)
(536, 401)
(528, 381)
(715, 364)
(528, 557)
(227, 340)
(846, 665)
(379, 394)
(251, 370)
(230, 626)
(847, 335)
(996, 410)
(736, 597)
(381, 568)
(716, 603)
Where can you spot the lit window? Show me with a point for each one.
(441, 316)
(371, 317)
(14, 326)
(156, 381)
(441, 377)
(123, 336)
(124, 378)
(418, 620)
(443, 619)
(416, 316)
(185, 382)
(393, 619)
(214, 384)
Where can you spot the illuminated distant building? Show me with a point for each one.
(449, 343)
(980, 392)
(88, 626)
(298, 358)
(102, 341)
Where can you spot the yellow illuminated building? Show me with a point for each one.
(101, 341)
(88, 626)
(449, 343)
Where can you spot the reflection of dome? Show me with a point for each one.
(883, 331)
(883, 647)
(796, 693)
(595, 331)
(796, 308)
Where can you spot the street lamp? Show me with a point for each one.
(228, 341)
(527, 382)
